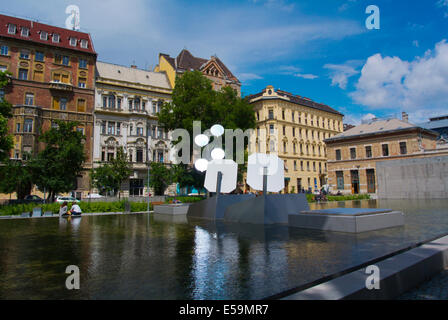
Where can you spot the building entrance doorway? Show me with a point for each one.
(371, 181)
(355, 181)
(136, 187)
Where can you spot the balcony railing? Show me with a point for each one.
(61, 86)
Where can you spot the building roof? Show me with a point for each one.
(435, 124)
(35, 29)
(132, 75)
(280, 94)
(377, 127)
(185, 61)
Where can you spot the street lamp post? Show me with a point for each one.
(148, 189)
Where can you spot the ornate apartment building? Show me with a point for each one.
(214, 69)
(127, 102)
(53, 78)
(353, 154)
(295, 128)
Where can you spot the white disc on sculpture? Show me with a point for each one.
(275, 172)
(229, 170)
(201, 140)
(218, 154)
(201, 165)
(217, 130)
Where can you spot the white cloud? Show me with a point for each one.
(248, 76)
(415, 43)
(339, 73)
(442, 4)
(419, 86)
(306, 76)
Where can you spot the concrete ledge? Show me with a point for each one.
(84, 214)
(172, 209)
(398, 274)
(346, 223)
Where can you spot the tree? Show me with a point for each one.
(160, 177)
(16, 176)
(187, 176)
(6, 141)
(110, 176)
(57, 167)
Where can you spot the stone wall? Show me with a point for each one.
(423, 178)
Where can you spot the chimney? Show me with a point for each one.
(404, 117)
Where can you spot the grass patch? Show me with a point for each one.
(310, 197)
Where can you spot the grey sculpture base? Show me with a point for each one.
(172, 209)
(268, 209)
(350, 220)
(213, 208)
(175, 218)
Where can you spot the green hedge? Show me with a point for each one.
(88, 207)
(310, 197)
(185, 199)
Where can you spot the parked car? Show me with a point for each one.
(61, 199)
(28, 199)
(94, 196)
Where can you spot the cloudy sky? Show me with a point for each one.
(320, 49)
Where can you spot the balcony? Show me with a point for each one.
(60, 86)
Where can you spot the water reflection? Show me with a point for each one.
(159, 257)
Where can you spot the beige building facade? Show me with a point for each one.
(353, 154)
(295, 128)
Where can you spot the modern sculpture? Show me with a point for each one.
(266, 173)
(221, 177)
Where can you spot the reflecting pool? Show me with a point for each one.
(152, 257)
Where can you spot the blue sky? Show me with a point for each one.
(320, 49)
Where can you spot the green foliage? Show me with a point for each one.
(61, 162)
(192, 199)
(186, 175)
(310, 197)
(6, 141)
(160, 177)
(16, 176)
(195, 100)
(86, 207)
(109, 176)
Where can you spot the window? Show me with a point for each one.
(28, 125)
(82, 82)
(103, 127)
(80, 130)
(130, 104)
(340, 179)
(43, 35)
(110, 156)
(111, 128)
(293, 132)
(56, 38)
(139, 131)
(23, 74)
(83, 63)
(271, 114)
(301, 165)
(137, 104)
(153, 132)
(338, 154)
(292, 116)
(271, 129)
(63, 104)
(283, 114)
(73, 42)
(139, 155)
(308, 166)
(84, 44)
(29, 99)
(295, 165)
(368, 152)
(24, 54)
(314, 166)
(258, 116)
(39, 56)
(25, 32)
(11, 28)
(118, 128)
(81, 106)
(4, 50)
(18, 127)
(119, 103)
(284, 130)
(65, 60)
(61, 77)
(154, 107)
(284, 147)
(352, 153)
(403, 148)
(385, 148)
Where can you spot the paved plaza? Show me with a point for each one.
(434, 289)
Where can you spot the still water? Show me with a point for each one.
(148, 257)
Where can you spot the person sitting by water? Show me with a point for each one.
(75, 210)
(63, 209)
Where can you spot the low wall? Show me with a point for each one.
(424, 178)
(131, 199)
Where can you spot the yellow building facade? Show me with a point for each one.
(295, 128)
